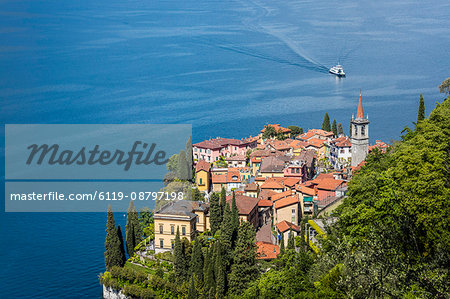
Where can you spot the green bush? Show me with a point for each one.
(116, 271)
(140, 277)
(147, 293)
(132, 290)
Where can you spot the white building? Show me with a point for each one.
(341, 152)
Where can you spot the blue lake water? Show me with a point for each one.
(227, 67)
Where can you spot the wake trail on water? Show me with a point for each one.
(291, 59)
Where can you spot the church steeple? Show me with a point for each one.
(360, 135)
(360, 112)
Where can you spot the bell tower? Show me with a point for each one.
(360, 135)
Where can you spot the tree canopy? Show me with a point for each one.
(326, 125)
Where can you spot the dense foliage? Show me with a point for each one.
(114, 254)
(326, 125)
(133, 229)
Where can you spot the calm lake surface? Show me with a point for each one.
(227, 67)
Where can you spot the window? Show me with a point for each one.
(293, 216)
(298, 170)
(183, 231)
(195, 149)
(363, 130)
(161, 228)
(161, 243)
(197, 219)
(172, 229)
(173, 244)
(201, 181)
(292, 170)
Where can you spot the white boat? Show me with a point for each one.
(337, 70)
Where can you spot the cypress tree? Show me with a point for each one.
(122, 245)
(244, 269)
(132, 229)
(234, 217)
(226, 230)
(291, 242)
(112, 243)
(183, 169)
(192, 291)
(189, 157)
(340, 129)
(219, 271)
(282, 244)
(326, 125)
(334, 128)
(215, 218)
(209, 282)
(421, 112)
(179, 259)
(223, 200)
(197, 260)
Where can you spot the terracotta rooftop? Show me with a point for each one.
(306, 190)
(265, 203)
(202, 165)
(277, 128)
(287, 201)
(219, 178)
(266, 194)
(284, 226)
(291, 182)
(271, 184)
(329, 184)
(244, 203)
(342, 142)
(267, 251)
(236, 158)
(251, 187)
(272, 164)
(281, 195)
(218, 143)
(315, 132)
(316, 142)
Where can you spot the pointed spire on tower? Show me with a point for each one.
(360, 113)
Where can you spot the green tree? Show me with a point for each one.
(334, 128)
(234, 218)
(192, 291)
(223, 200)
(197, 260)
(208, 271)
(215, 216)
(179, 264)
(113, 254)
(340, 129)
(445, 86)
(291, 241)
(295, 131)
(122, 245)
(183, 168)
(282, 244)
(133, 229)
(269, 132)
(190, 157)
(172, 164)
(220, 269)
(326, 125)
(226, 230)
(421, 112)
(244, 268)
(197, 195)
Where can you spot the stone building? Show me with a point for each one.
(360, 135)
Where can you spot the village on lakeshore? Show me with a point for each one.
(278, 215)
(277, 178)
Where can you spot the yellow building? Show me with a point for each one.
(184, 215)
(203, 176)
(287, 209)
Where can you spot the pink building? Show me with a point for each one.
(211, 150)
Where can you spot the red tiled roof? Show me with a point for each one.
(284, 226)
(342, 142)
(281, 195)
(270, 184)
(287, 201)
(267, 251)
(290, 182)
(313, 132)
(202, 165)
(266, 194)
(219, 178)
(306, 190)
(265, 203)
(316, 142)
(233, 174)
(277, 128)
(251, 187)
(244, 203)
(219, 143)
(329, 184)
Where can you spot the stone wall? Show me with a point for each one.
(110, 293)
